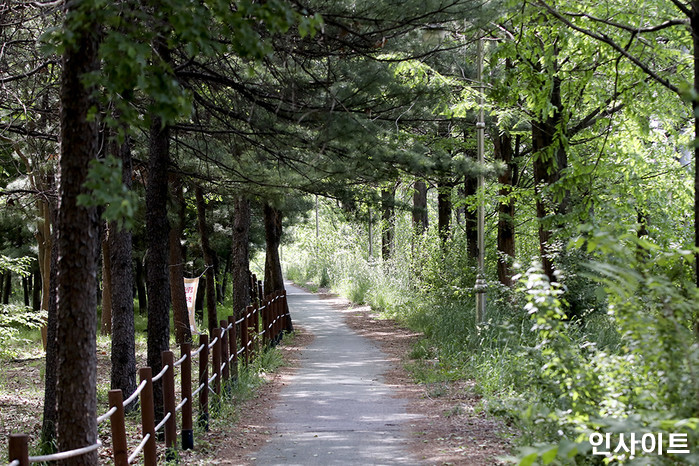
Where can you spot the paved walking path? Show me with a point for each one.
(336, 408)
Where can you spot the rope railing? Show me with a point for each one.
(107, 415)
(235, 340)
(162, 423)
(197, 351)
(139, 449)
(161, 373)
(135, 394)
(179, 362)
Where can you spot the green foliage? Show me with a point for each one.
(106, 189)
(14, 318)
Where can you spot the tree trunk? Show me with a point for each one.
(694, 21)
(274, 280)
(123, 357)
(471, 219)
(224, 281)
(549, 160)
(420, 220)
(180, 314)
(77, 229)
(199, 300)
(506, 207)
(44, 239)
(48, 425)
(36, 291)
(157, 257)
(106, 321)
(241, 255)
(25, 289)
(7, 287)
(387, 233)
(211, 315)
(141, 287)
(444, 209)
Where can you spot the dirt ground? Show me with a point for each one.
(454, 430)
(454, 427)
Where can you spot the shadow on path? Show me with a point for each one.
(336, 408)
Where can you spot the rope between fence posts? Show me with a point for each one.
(179, 406)
(240, 351)
(65, 454)
(194, 353)
(161, 373)
(180, 361)
(138, 449)
(213, 378)
(106, 415)
(197, 390)
(14, 463)
(230, 326)
(239, 321)
(223, 366)
(162, 423)
(213, 342)
(231, 357)
(135, 394)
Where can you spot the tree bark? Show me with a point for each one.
(157, 257)
(25, 289)
(471, 219)
(694, 21)
(106, 320)
(36, 290)
(506, 207)
(387, 226)
(123, 357)
(420, 220)
(180, 314)
(78, 247)
(274, 280)
(241, 255)
(208, 253)
(141, 292)
(549, 160)
(444, 209)
(48, 425)
(7, 287)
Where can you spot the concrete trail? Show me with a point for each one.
(336, 409)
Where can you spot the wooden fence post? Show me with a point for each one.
(204, 379)
(277, 318)
(233, 345)
(265, 323)
(150, 457)
(169, 403)
(119, 446)
(244, 335)
(186, 388)
(19, 449)
(225, 372)
(256, 323)
(216, 360)
(288, 324)
(251, 333)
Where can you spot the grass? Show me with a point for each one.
(22, 386)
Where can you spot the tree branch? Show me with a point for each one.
(605, 39)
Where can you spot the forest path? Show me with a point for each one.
(336, 407)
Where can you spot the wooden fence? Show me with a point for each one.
(234, 342)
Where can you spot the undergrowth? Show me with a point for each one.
(607, 349)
